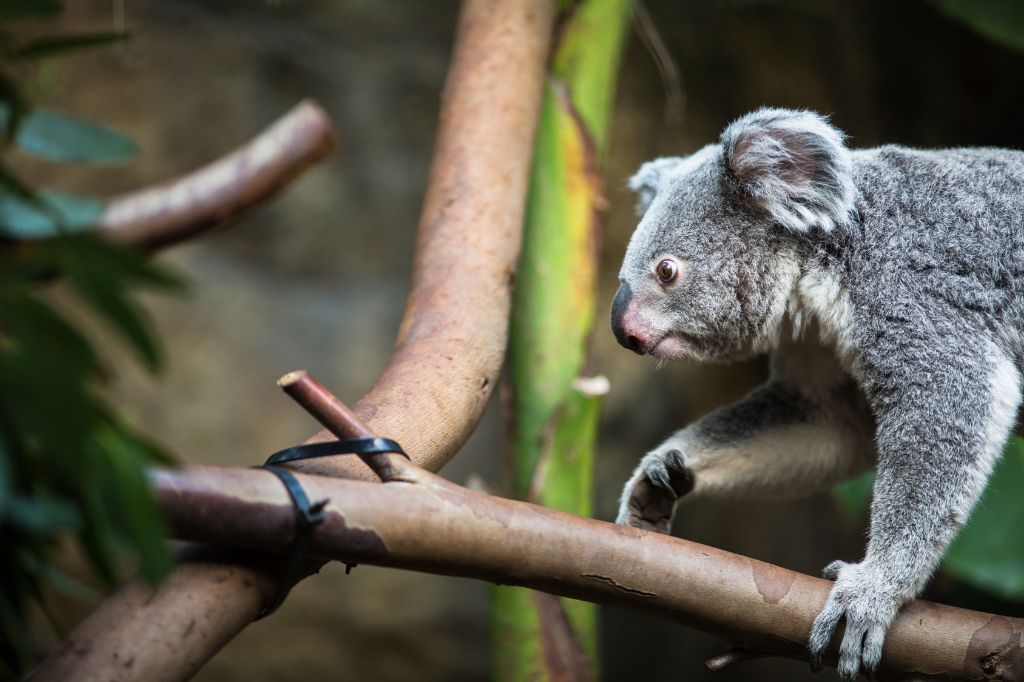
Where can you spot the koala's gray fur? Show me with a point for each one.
(887, 284)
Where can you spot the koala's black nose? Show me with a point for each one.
(619, 305)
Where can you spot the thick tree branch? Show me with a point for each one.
(438, 527)
(449, 351)
(178, 209)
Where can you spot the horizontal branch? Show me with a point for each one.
(178, 209)
(438, 527)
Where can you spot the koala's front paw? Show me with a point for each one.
(651, 492)
(866, 598)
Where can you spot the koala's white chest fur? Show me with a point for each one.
(820, 300)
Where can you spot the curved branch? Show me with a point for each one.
(178, 209)
(449, 352)
(438, 527)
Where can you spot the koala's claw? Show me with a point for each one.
(669, 471)
(650, 495)
(868, 611)
(831, 572)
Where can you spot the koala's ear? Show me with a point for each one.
(794, 165)
(648, 179)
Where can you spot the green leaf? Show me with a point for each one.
(41, 514)
(50, 46)
(989, 552)
(67, 584)
(29, 322)
(49, 215)
(57, 137)
(21, 9)
(135, 507)
(101, 256)
(100, 273)
(1001, 21)
(98, 534)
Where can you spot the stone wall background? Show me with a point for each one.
(317, 279)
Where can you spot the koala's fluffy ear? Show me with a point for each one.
(794, 165)
(647, 180)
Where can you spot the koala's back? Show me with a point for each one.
(940, 232)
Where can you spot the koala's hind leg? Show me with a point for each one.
(805, 429)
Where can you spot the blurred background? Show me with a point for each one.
(317, 279)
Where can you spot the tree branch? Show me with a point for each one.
(343, 423)
(439, 527)
(178, 209)
(448, 356)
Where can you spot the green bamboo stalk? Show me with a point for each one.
(554, 409)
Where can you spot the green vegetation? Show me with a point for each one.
(554, 415)
(68, 464)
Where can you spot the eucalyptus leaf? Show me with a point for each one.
(137, 510)
(29, 322)
(42, 513)
(66, 461)
(57, 137)
(101, 274)
(98, 536)
(112, 302)
(50, 215)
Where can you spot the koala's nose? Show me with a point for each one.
(626, 337)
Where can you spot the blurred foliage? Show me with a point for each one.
(1001, 21)
(68, 464)
(988, 554)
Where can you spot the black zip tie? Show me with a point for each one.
(309, 515)
(348, 446)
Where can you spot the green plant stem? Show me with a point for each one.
(554, 413)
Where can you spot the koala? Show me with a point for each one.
(886, 285)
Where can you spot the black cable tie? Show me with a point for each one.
(307, 516)
(348, 446)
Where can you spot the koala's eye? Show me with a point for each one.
(667, 271)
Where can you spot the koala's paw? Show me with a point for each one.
(649, 497)
(864, 597)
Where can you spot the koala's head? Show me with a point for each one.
(709, 271)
